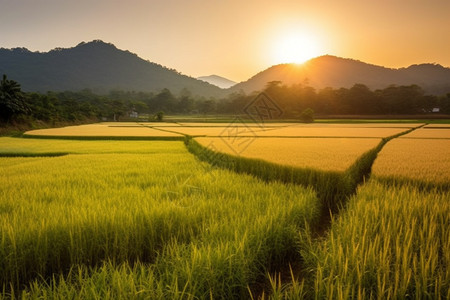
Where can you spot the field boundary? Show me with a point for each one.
(124, 138)
(31, 154)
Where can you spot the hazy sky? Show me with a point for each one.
(237, 38)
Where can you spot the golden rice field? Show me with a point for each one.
(237, 123)
(193, 230)
(437, 126)
(391, 242)
(335, 154)
(422, 159)
(159, 124)
(429, 133)
(289, 131)
(148, 219)
(361, 125)
(103, 130)
(155, 129)
(300, 131)
(232, 130)
(10, 145)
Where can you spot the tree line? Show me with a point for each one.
(357, 100)
(292, 100)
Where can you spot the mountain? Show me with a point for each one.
(102, 67)
(336, 72)
(98, 66)
(219, 81)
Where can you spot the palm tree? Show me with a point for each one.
(12, 100)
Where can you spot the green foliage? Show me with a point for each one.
(295, 100)
(307, 116)
(159, 116)
(12, 102)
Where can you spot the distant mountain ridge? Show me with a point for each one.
(219, 81)
(98, 66)
(336, 72)
(102, 67)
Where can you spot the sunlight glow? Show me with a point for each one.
(296, 48)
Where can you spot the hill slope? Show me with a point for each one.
(95, 65)
(336, 72)
(219, 81)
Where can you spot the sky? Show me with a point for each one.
(237, 38)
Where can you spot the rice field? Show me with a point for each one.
(236, 123)
(437, 126)
(146, 219)
(159, 124)
(300, 131)
(185, 221)
(21, 146)
(361, 125)
(390, 243)
(174, 130)
(288, 131)
(429, 133)
(103, 130)
(425, 160)
(231, 130)
(331, 154)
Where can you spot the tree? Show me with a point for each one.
(12, 100)
(307, 116)
(159, 116)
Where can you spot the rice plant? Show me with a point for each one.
(77, 223)
(424, 160)
(390, 243)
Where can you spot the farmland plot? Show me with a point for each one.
(199, 231)
(331, 154)
(362, 125)
(390, 242)
(237, 123)
(429, 133)
(19, 146)
(102, 130)
(300, 131)
(426, 160)
(230, 130)
(145, 219)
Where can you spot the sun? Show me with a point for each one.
(296, 48)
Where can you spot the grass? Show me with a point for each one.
(139, 225)
(426, 160)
